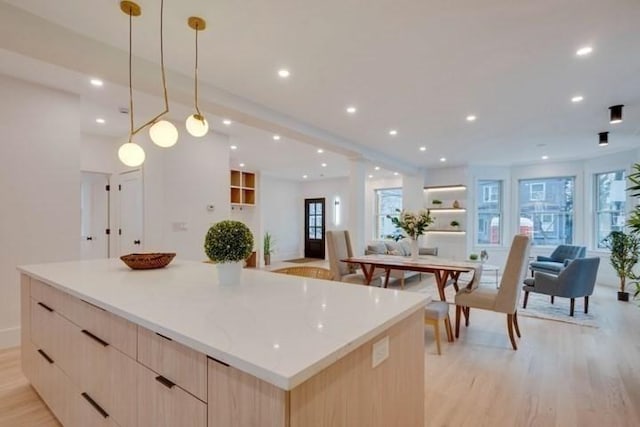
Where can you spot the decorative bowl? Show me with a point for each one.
(148, 261)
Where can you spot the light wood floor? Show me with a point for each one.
(562, 375)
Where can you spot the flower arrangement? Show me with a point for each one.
(228, 241)
(411, 223)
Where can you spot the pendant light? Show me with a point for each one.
(196, 123)
(163, 133)
(130, 153)
(603, 139)
(616, 114)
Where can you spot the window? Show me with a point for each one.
(489, 230)
(537, 191)
(546, 210)
(388, 200)
(610, 204)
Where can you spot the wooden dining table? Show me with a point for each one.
(443, 269)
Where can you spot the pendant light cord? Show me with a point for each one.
(196, 75)
(131, 133)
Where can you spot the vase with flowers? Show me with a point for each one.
(413, 225)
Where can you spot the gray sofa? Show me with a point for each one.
(558, 260)
(400, 248)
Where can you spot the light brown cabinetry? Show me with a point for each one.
(243, 188)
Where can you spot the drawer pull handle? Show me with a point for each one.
(45, 355)
(165, 382)
(46, 307)
(95, 338)
(162, 336)
(95, 405)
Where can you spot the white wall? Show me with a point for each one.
(98, 154)
(282, 215)
(39, 187)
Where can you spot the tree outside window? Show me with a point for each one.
(610, 203)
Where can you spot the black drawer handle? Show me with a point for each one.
(165, 337)
(45, 355)
(165, 382)
(93, 337)
(95, 405)
(46, 307)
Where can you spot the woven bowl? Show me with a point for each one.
(148, 261)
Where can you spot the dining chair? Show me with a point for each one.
(504, 299)
(434, 313)
(339, 247)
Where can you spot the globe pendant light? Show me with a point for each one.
(196, 124)
(130, 153)
(164, 134)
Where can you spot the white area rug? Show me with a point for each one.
(540, 306)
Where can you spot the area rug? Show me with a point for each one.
(539, 306)
(302, 260)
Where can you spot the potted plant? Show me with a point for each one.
(455, 224)
(436, 202)
(413, 225)
(228, 243)
(473, 257)
(624, 256)
(267, 247)
(634, 190)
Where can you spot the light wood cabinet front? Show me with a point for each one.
(183, 366)
(164, 404)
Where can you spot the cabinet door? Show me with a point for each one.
(163, 404)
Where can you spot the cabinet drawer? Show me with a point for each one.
(161, 404)
(115, 330)
(49, 296)
(107, 375)
(179, 364)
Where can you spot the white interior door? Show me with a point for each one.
(131, 213)
(94, 217)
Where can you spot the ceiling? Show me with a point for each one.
(416, 66)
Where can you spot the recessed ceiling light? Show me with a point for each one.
(320, 151)
(584, 51)
(471, 118)
(396, 173)
(276, 137)
(351, 109)
(305, 176)
(284, 73)
(545, 157)
(227, 122)
(423, 148)
(577, 98)
(377, 168)
(241, 165)
(324, 165)
(234, 147)
(100, 120)
(443, 159)
(96, 82)
(370, 176)
(393, 132)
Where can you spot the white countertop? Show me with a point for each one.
(281, 329)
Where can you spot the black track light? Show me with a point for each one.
(616, 114)
(604, 139)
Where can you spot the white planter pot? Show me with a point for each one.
(229, 272)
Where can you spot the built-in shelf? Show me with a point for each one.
(447, 231)
(243, 188)
(456, 187)
(452, 210)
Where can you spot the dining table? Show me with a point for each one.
(446, 271)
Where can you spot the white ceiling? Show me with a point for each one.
(417, 66)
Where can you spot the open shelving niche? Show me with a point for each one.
(451, 241)
(243, 198)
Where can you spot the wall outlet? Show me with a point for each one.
(380, 352)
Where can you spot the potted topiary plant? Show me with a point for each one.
(267, 247)
(624, 256)
(455, 224)
(228, 243)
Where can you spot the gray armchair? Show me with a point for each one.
(558, 259)
(577, 280)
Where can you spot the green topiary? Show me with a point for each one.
(228, 241)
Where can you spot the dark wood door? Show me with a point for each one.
(314, 228)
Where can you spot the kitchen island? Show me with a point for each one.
(106, 345)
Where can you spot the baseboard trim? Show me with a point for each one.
(9, 337)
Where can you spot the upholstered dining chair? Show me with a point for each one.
(339, 247)
(505, 299)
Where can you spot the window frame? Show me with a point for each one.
(377, 215)
(499, 212)
(596, 207)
